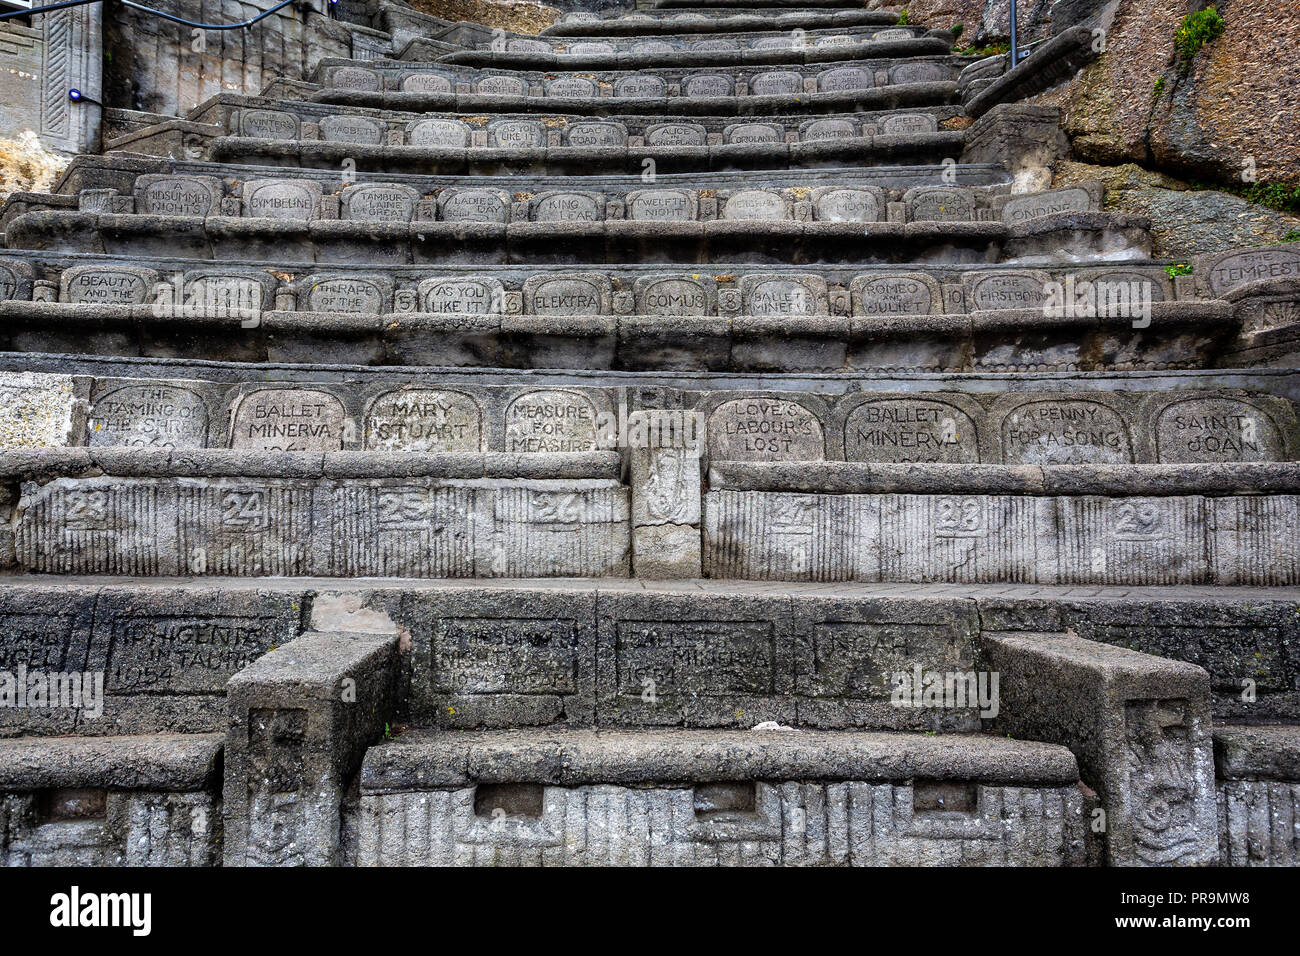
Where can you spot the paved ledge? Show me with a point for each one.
(420, 760)
(736, 20)
(631, 60)
(50, 463)
(833, 477)
(177, 762)
(1257, 752)
(932, 93)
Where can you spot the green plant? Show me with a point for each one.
(1160, 87)
(1180, 269)
(1292, 235)
(1279, 196)
(902, 19)
(388, 732)
(957, 29)
(993, 49)
(1196, 30)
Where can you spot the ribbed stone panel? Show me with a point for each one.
(138, 828)
(279, 527)
(850, 823)
(1259, 823)
(974, 539)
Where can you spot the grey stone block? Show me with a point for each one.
(1140, 726)
(301, 719)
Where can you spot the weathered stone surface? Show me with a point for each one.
(107, 285)
(1064, 429)
(39, 410)
(1140, 726)
(178, 195)
(300, 721)
(424, 419)
(282, 199)
(149, 415)
(379, 202)
(939, 204)
(287, 419)
(907, 429)
(837, 820)
(764, 428)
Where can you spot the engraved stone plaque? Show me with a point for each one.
(288, 419)
(1065, 431)
(424, 419)
(551, 420)
(149, 415)
(910, 430)
(764, 429)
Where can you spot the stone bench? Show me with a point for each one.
(110, 801)
(320, 122)
(1258, 769)
(672, 44)
(518, 75)
(1145, 524)
(651, 54)
(338, 514)
(695, 798)
(744, 239)
(828, 320)
(113, 717)
(893, 96)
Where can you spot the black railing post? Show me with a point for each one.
(1015, 49)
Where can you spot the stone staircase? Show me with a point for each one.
(692, 435)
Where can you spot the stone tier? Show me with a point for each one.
(1258, 766)
(272, 655)
(874, 66)
(876, 424)
(307, 237)
(281, 119)
(772, 42)
(1051, 524)
(671, 798)
(739, 20)
(1181, 335)
(600, 55)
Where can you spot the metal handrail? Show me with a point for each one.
(166, 16)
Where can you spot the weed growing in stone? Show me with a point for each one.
(1196, 30)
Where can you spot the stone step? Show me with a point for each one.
(128, 511)
(1258, 769)
(775, 42)
(1183, 335)
(284, 122)
(1153, 524)
(572, 652)
(591, 147)
(746, 88)
(648, 798)
(399, 412)
(184, 664)
(760, 51)
(686, 23)
(293, 218)
(765, 319)
(342, 515)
